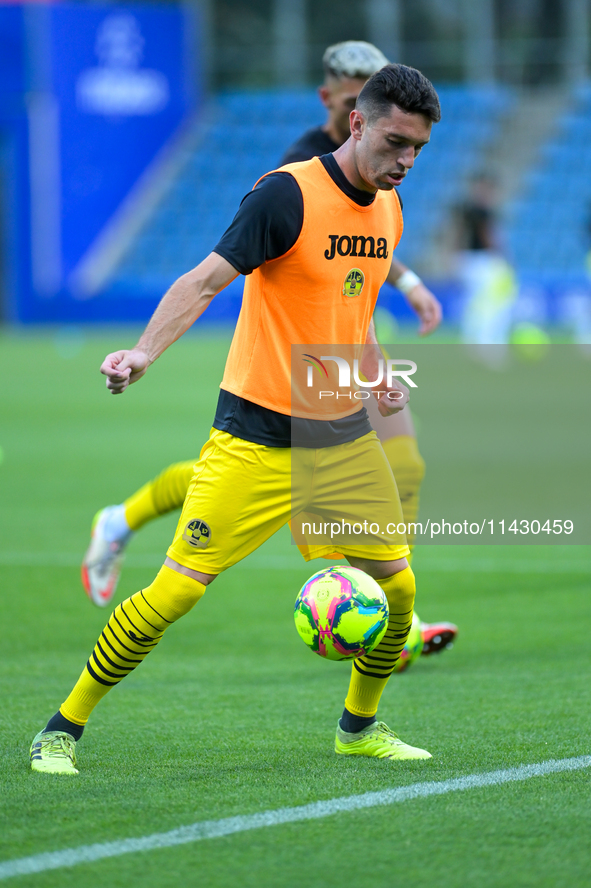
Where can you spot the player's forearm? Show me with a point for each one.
(397, 269)
(176, 312)
(372, 353)
(402, 277)
(184, 303)
(419, 297)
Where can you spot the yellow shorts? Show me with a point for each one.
(241, 493)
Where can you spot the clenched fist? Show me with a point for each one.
(124, 367)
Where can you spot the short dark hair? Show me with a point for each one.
(402, 86)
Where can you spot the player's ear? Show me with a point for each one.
(324, 93)
(357, 123)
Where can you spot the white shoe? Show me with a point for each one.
(103, 560)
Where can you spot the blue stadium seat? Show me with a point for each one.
(548, 227)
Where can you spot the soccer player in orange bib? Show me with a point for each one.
(295, 293)
(346, 69)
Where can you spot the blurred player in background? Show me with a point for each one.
(577, 303)
(489, 281)
(347, 66)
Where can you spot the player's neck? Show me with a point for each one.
(345, 157)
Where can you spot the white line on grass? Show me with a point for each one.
(280, 562)
(214, 829)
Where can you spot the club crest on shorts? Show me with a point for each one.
(354, 283)
(197, 534)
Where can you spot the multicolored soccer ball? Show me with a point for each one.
(341, 613)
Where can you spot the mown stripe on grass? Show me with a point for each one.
(214, 829)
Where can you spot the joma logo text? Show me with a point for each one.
(356, 245)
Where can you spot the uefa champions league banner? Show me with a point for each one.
(111, 85)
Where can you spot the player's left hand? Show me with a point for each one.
(427, 306)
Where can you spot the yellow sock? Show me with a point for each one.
(135, 627)
(408, 467)
(370, 674)
(163, 494)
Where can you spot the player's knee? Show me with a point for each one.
(203, 578)
(400, 590)
(173, 593)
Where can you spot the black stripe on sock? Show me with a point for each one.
(389, 665)
(118, 640)
(396, 648)
(126, 669)
(109, 684)
(155, 628)
(374, 674)
(388, 660)
(106, 671)
(138, 630)
(121, 657)
(133, 640)
(154, 609)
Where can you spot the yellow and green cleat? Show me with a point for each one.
(54, 752)
(377, 741)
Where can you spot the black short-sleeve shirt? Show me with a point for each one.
(266, 226)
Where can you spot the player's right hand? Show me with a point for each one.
(397, 401)
(124, 367)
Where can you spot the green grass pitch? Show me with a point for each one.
(232, 715)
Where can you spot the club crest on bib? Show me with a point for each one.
(354, 283)
(197, 534)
